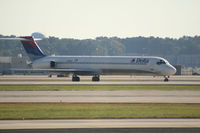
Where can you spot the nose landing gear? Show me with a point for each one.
(166, 78)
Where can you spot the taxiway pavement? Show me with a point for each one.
(135, 96)
(100, 123)
(129, 96)
(105, 130)
(105, 80)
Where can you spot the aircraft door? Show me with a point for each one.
(52, 64)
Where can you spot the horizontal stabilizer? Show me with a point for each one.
(20, 39)
(32, 49)
(17, 38)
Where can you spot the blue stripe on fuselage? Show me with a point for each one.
(32, 51)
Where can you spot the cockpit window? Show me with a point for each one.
(161, 62)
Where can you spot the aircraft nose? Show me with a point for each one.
(172, 70)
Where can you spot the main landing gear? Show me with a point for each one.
(95, 78)
(75, 78)
(166, 78)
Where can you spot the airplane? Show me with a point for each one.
(94, 65)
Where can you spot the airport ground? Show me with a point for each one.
(105, 80)
(106, 130)
(185, 91)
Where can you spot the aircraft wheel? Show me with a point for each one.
(166, 80)
(75, 79)
(95, 79)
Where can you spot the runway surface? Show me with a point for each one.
(106, 130)
(102, 77)
(105, 80)
(101, 83)
(134, 96)
(100, 96)
(100, 123)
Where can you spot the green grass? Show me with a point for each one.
(77, 88)
(91, 111)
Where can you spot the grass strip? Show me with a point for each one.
(78, 88)
(95, 111)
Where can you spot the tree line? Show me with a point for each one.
(105, 46)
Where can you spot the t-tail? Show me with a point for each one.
(32, 49)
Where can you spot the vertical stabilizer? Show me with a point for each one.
(32, 49)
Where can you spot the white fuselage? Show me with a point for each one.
(139, 65)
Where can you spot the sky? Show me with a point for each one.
(84, 19)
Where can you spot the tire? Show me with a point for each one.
(95, 79)
(76, 79)
(166, 80)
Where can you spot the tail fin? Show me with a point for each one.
(32, 49)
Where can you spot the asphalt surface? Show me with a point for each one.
(100, 96)
(129, 96)
(102, 77)
(100, 123)
(107, 130)
(105, 80)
